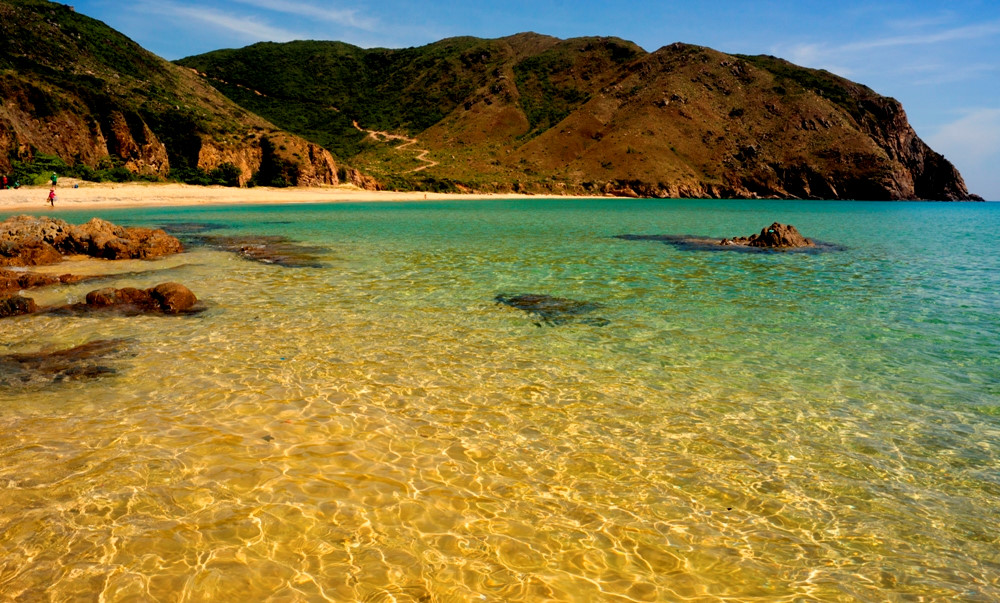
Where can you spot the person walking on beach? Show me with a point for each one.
(52, 197)
(5, 182)
(54, 178)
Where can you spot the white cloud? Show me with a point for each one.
(972, 143)
(974, 136)
(345, 17)
(246, 27)
(966, 33)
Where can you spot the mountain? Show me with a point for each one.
(80, 94)
(587, 115)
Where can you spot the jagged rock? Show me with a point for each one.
(15, 305)
(166, 298)
(81, 362)
(774, 236)
(552, 310)
(32, 241)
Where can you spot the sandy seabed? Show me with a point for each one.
(76, 195)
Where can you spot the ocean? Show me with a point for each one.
(372, 424)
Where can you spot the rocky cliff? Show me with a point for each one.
(77, 90)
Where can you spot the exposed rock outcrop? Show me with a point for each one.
(775, 236)
(33, 241)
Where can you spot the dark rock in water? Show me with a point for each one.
(166, 298)
(15, 305)
(553, 310)
(31, 241)
(85, 361)
(12, 282)
(775, 236)
(267, 249)
(190, 228)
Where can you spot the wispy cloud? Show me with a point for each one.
(840, 58)
(975, 135)
(969, 32)
(972, 143)
(344, 17)
(246, 27)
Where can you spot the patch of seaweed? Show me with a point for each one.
(267, 249)
(551, 310)
(88, 361)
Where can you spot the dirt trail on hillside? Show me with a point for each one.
(421, 154)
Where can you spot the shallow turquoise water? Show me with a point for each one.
(777, 426)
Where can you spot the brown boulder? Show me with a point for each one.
(16, 305)
(100, 238)
(173, 297)
(168, 298)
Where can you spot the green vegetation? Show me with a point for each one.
(837, 90)
(38, 171)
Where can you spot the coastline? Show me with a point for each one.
(104, 195)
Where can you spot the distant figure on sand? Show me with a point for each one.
(5, 182)
(52, 196)
(54, 178)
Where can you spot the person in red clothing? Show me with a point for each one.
(52, 197)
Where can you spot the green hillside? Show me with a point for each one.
(587, 115)
(79, 95)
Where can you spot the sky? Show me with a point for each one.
(940, 59)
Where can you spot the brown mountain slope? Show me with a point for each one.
(76, 90)
(539, 114)
(687, 121)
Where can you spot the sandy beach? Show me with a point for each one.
(76, 195)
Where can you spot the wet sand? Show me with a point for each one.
(102, 195)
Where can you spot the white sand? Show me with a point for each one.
(105, 195)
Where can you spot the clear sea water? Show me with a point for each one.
(746, 427)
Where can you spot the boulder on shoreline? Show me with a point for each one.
(33, 241)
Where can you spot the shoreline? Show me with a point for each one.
(106, 195)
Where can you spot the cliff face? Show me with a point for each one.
(75, 89)
(538, 114)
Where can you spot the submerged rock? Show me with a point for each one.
(13, 281)
(32, 241)
(553, 310)
(267, 249)
(85, 361)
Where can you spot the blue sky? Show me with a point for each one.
(940, 59)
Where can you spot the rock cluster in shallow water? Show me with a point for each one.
(34, 241)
